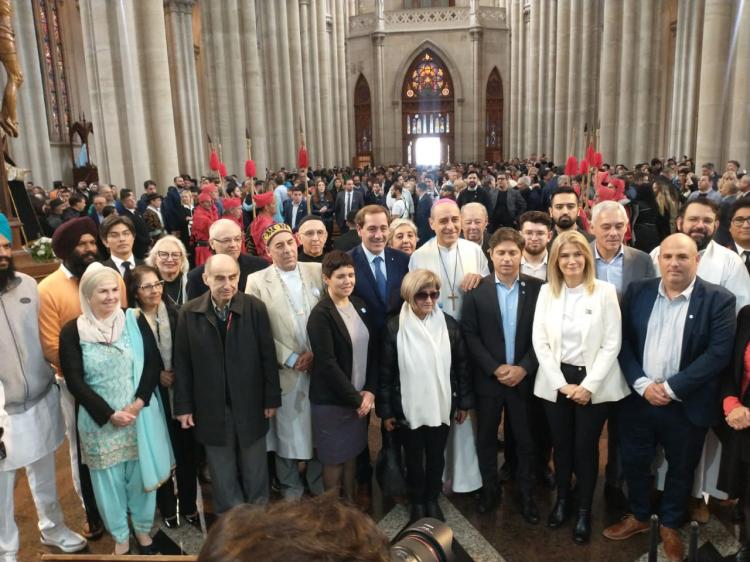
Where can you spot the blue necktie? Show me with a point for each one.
(379, 277)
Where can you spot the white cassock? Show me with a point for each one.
(724, 267)
(289, 298)
(452, 264)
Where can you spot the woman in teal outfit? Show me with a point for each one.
(111, 364)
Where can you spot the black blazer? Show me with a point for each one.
(346, 241)
(243, 362)
(142, 239)
(71, 360)
(301, 212)
(248, 264)
(731, 384)
(388, 400)
(333, 355)
(358, 201)
(706, 344)
(366, 288)
(172, 314)
(422, 218)
(483, 329)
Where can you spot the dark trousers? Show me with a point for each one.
(186, 471)
(613, 471)
(425, 461)
(363, 466)
(93, 517)
(489, 410)
(540, 435)
(575, 433)
(643, 426)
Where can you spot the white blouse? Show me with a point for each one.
(572, 333)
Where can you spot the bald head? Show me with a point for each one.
(678, 262)
(222, 275)
(474, 221)
(225, 237)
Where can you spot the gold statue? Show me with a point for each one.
(9, 58)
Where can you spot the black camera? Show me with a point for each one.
(3, 452)
(428, 540)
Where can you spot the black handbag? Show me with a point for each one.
(388, 467)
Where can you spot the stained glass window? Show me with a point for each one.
(428, 79)
(49, 39)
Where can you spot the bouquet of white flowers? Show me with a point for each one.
(41, 249)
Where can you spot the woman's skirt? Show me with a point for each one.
(339, 434)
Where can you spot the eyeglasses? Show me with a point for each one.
(151, 286)
(424, 295)
(740, 221)
(225, 241)
(169, 255)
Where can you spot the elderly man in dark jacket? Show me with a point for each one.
(227, 383)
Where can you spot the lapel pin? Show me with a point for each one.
(364, 310)
(690, 316)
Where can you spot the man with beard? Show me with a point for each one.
(29, 411)
(536, 228)
(721, 266)
(564, 209)
(74, 243)
(474, 192)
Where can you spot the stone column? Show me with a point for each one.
(574, 122)
(551, 77)
(609, 72)
(31, 150)
(324, 63)
(315, 65)
(275, 107)
(255, 102)
(583, 76)
(297, 86)
(739, 137)
(532, 70)
(128, 74)
(543, 13)
(514, 90)
(644, 113)
(310, 84)
(378, 117)
(626, 101)
(332, 35)
(291, 126)
(712, 103)
(345, 99)
(561, 80)
(477, 122)
(184, 80)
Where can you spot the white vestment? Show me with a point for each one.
(289, 306)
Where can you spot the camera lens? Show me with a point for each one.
(428, 540)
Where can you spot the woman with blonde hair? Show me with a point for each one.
(576, 335)
(424, 382)
(169, 256)
(402, 235)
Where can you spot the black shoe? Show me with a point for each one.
(489, 498)
(582, 530)
(559, 514)
(506, 472)
(417, 512)
(529, 509)
(432, 509)
(737, 514)
(614, 496)
(170, 522)
(743, 554)
(547, 477)
(148, 550)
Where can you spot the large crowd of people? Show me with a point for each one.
(249, 332)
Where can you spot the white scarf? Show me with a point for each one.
(424, 362)
(91, 328)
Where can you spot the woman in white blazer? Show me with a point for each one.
(577, 335)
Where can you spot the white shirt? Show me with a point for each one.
(533, 270)
(118, 262)
(572, 334)
(295, 208)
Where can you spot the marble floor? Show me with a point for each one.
(500, 536)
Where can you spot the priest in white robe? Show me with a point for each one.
(290, 290)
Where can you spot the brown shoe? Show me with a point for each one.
(672, 544)
(626, 528)
(699, 511)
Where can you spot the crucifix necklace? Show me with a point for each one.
(453, 297)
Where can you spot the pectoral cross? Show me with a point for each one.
(453, 297)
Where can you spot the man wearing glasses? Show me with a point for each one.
(225, 237)
(739, 230)
(313, 236)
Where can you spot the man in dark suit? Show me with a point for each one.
(497, 319)
(677, 337)
(379, 270)
(347, 201)
(117, 234)
(142, 239)
(349, 239)
(739, 229)
(375, 195)
(620, 265)
(225, 237)
(295, 208)
(422, 214)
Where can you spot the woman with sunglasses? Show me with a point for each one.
(169, 257)
(424, 381)
(147, 295)
(342, 384)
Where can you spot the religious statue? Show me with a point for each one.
(9, 58)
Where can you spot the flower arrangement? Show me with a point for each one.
(41, 249)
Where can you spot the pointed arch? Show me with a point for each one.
(493, 121)
(363, 118)
(408, 61)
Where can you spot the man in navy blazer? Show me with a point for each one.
(372, 227)
(422, 214)
(677, 337)
(295, 208)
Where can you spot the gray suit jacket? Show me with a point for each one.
(636, 265)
